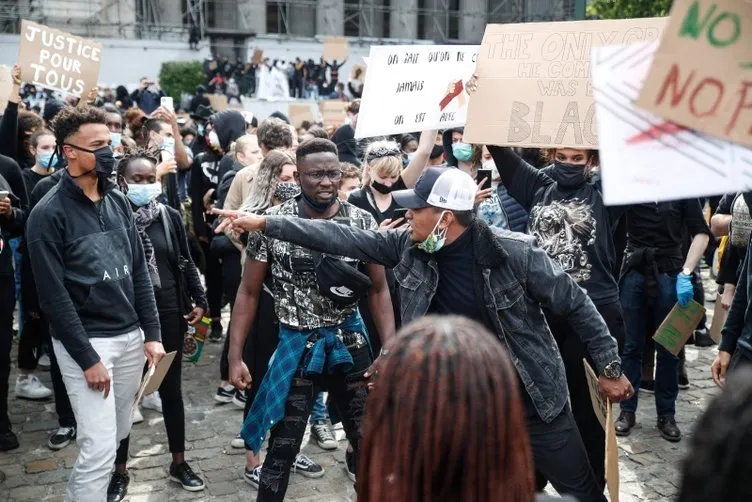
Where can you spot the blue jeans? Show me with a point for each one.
(15, 245)
(318, 412)
(636, 311)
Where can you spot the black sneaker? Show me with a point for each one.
(8, 441)
(239, 399)
(647, 386)
(215, 333)
(350, 465)
(225, 395)
(183, 474)
(703, 338)
(61, 438)
(118, 486)
(307, 467)
(669, 430)
(253, 477)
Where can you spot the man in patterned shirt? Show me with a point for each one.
(323, 343)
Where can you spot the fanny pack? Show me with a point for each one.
(337, 279)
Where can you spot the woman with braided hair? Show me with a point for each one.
(177, 288)
(444, 421)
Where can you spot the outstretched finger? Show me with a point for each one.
(482, 182)
(395, 223)
(223, 226)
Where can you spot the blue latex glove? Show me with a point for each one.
(684, 289)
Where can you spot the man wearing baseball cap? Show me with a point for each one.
(449, 262)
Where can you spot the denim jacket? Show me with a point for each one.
(518, 280)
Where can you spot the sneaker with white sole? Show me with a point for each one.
(238, 442)
(30, 387)
(137, 416)
(44, 362)
(61, 438)
(350, 465)
(307, 467)
(152, 402)
(224, 395)
(252, 477)
(321, 432)
(239, 399)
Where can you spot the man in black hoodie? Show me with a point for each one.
(96, 293)
(207, 169)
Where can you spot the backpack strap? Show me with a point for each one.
(167, 230)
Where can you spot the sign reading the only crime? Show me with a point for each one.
(57, 60)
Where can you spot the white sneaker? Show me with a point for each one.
(30, 387)
(137, 416)
(152, 402)
(44, 362)
(238, 442)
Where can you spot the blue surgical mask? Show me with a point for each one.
(463, 152)
(168, 145)
(141, 195)
(116, 138)
(45, 160)
(436, 239)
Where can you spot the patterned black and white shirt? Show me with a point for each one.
(297, 300)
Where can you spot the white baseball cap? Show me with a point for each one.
(441, 187)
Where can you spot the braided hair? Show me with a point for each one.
(445, 420)
(135, 153)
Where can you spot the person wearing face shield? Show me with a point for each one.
(449, 262)
(572, 225)
(97, 295)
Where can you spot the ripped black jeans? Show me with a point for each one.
(347, 392)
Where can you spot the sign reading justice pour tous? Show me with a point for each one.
(57, 60)
(414, 88)
(701, 77)
(534, 87)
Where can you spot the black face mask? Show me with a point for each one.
(570, 175)
(105, 160)
(319, 208)
(382, 188)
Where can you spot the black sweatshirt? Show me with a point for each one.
(13, 225)
(9, 131)
(92, 277)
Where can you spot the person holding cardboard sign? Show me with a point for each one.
(655, 275)
(97, 295)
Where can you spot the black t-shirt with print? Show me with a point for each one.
(363, 198)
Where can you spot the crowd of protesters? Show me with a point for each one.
(435, 296)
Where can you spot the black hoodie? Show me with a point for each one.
(206, 170)
(12, 225)
(92, 276)
(347, 146)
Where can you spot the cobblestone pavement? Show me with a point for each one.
(649, 465)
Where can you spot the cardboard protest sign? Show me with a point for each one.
(645, 158)
(333, 112)
(335, 48)
(612, 457)
(298, 113)
(258, 56)
(600, 405)
(701, 77)
(678, 326)
(57, 60)
(153, 378)
(6, 87)
(534, 81)
(415, 88)
(218, 101)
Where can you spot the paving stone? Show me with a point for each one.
(38, 466)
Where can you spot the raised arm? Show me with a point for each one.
(419, 161)
(521, 179)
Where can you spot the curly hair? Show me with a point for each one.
(549, 156)
(274, 133)
(70, 119)
(445, 420)
(135, 153)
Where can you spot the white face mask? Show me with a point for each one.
(495, 176)
(214, 139)
(168, 145)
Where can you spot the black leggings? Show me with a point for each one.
(170, 390)
(348, 394)
(572, 352)
(8, 302)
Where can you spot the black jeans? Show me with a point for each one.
(7, 307)
(573, 352)
(63, 408)
(170, 390)
(348, 394)
(213, 276)
(35, 332)
(560, 456)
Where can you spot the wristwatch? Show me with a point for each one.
(612, 371)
